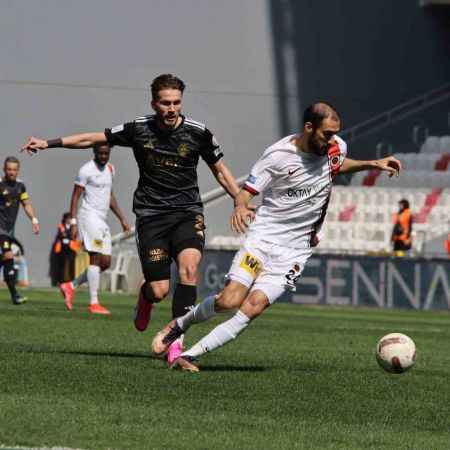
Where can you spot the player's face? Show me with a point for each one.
(11, 171)
(101, 155)
(321, 137)
(168, 107)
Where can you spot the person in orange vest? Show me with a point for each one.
(64, 250)
(401, 233)
(447, 244)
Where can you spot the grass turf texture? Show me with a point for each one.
(299, 378)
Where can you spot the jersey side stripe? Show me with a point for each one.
(194, 123)
(145, 118)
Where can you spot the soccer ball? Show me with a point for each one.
(396, 353)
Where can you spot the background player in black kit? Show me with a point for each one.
(169, 212)
(12, 194)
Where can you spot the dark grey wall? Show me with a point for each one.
(71, 66)
(363, 56)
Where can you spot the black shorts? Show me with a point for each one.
(401, 246)
(161, 238)
(5, 243)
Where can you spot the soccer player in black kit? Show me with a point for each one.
(170, 225)
(13, 193)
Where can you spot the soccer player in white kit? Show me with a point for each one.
(94, 185)
(295, 177)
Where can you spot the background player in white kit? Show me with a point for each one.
(295, 177)
(94, 185)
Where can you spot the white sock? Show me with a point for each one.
(223, 333)
(93, 277)
(201, 312)
(81, 279)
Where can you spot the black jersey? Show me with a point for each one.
(167, 163)
(11, 193)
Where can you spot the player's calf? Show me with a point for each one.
(149, 294)
(255, 304)
(9, 274)
(231, 297)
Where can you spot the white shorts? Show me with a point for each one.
(95, 234)
(268, 267)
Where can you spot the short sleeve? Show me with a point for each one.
(122, 135)
(82, 177)
(23, 195)
(337, 153)
(343, 148)
(261, 174)
(112, 169)
(210, 149)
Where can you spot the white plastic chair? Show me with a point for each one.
(120, 271)
(431, 145)
(444, 145)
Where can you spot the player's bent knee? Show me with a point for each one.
(188, 273)
(157, 292)
(105, 264)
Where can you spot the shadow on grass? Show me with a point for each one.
(107, 354)
(230, 368)
(51, 351)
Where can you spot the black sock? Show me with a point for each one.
(9, 274)
(183, 299)
(145, 289)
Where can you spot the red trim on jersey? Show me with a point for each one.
(314, 240)
(334, 153)
(252, 191)
(110, 167)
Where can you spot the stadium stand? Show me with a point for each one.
(360, 216)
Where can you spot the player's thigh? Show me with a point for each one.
(154, 253)
(249, 262)
(189, 233)
(94, 258)
(105, 262)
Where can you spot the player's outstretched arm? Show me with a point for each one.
(243, 213)
(29, 211)
(225, 178)
(76, 194)
(114, 206)
(389, 164)
(78, 141)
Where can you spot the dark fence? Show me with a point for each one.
(353, 280)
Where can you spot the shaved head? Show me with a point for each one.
(320, 123)
(318, 111)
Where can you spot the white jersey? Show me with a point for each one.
(295, 188)
(97, 184)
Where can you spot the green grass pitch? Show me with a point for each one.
(298, 378)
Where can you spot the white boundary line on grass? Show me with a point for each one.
(3, 447)
(9, 447)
